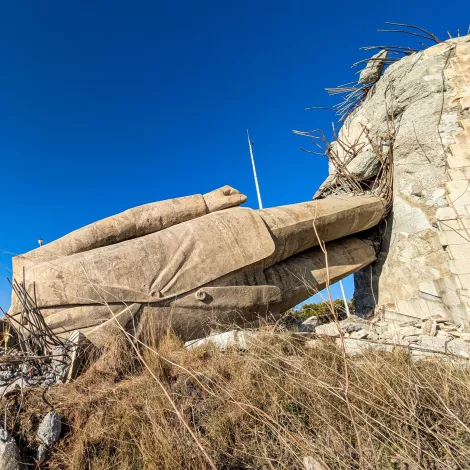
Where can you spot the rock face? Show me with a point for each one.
(423, 268)
(194, 263)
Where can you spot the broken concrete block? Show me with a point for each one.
(445, 213)
(361, 334)
(329, 329)
(230, 339)
(433, 344)
(459, 347)
(75, 346)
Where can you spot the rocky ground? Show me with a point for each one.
(423, 338)
(436, 336)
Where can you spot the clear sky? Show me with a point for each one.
(110, 104)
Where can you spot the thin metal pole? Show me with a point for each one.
(346, 306)
(250, 145)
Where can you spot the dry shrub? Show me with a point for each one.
(265, 408)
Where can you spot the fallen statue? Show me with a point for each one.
(195, 262)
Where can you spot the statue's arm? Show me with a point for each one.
(137, 222)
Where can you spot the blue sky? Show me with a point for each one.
(107, 105)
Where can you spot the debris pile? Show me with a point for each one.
(435, 336)
(423, 338)
(20, 369)
(31, 354)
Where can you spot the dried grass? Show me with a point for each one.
(265, 408)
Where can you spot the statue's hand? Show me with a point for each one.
(222, 198)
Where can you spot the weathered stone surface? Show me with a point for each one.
(421, 96)
(459, 348)
(310, 324)
(329, 329)
(49, 429)
(356, 346)
(230, 339)
(373, 69)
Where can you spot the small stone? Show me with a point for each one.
(50, 428)
(42, 453)
(10, 458)
(430, 327)
(361, 334)
(310, 324)
(459, 348)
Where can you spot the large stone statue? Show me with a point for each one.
(195, 262)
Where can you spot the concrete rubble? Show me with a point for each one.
(423, 338)
(238, 339)
(436, 337)
(61, 365)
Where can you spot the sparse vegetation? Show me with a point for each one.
(323, 309)
(265, 408)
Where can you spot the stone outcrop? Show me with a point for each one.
(423, 267)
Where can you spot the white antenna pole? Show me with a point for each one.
(346, 306)
(250, 145)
